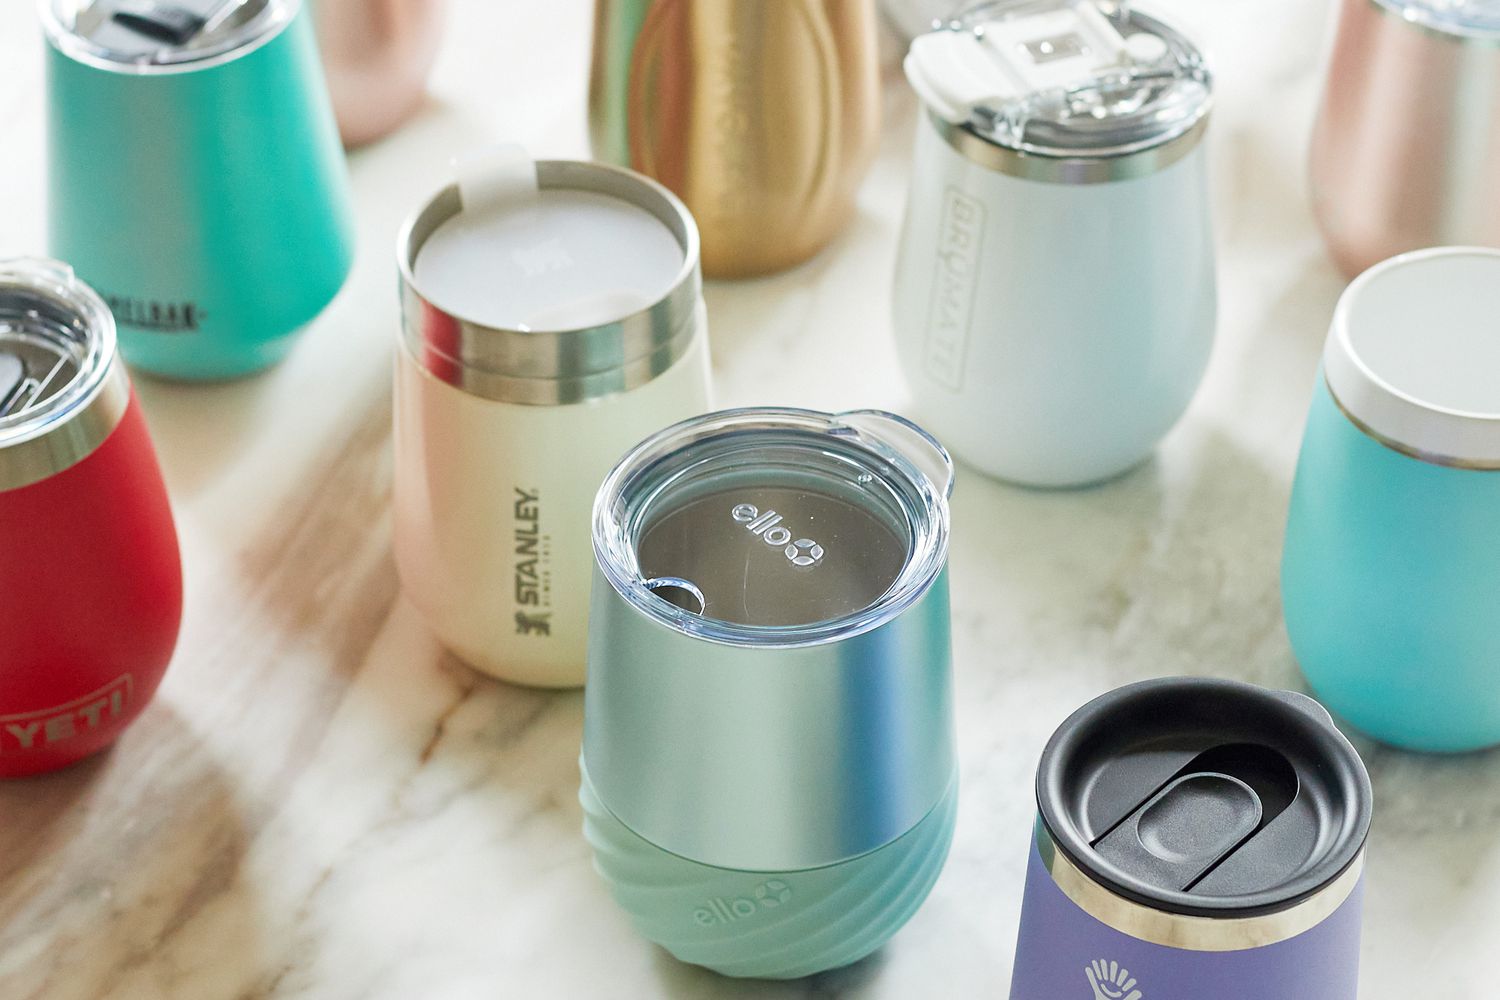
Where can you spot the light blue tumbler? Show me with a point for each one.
(196, 177)
(1391, 574)
(769, 776)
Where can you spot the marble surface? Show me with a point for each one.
(320, 803)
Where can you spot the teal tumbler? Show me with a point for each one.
(769, 773)
(1391, 573)
(196, 177)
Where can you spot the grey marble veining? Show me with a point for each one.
(321, 804)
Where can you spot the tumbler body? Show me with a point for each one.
(1407, 135)
(762, 117)
(769, 773)
(1053, 333)
(377, 55)
(1389, 577)
(90, 576)
(1391, 567)
(208, 202)
(1055, 291)
(518, 390)
(1060, 942)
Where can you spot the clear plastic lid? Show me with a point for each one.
(57, 340)
(1481, 17)
(143, 35)
(776, 526)
(1066, 78)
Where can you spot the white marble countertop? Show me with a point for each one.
(321, 804)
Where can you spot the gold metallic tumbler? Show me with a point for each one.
(762, 115)
(1407, 144)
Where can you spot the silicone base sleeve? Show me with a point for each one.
(761, 924)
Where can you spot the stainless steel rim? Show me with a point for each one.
(555, 367)
(1477, 37)
(1100, 169)
(1193, 933)
(69, 44)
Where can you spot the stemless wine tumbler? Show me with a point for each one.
(90, 577)
(763, 117)
(377, 54)
(1404, 151)
(1391, 573)
(769, 774)
(1197, 839)
(552, 317)
(1055, 289)
(195, 176)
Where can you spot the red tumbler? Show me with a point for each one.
(90, 574)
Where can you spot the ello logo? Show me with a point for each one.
(724, 910)
(767, 526)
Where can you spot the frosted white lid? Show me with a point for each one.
(1414, 354)
(522, 258)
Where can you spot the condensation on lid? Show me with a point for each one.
(553, 259)
(1062, 77)
(1205, 797)
(162, 34)
(1459, 16)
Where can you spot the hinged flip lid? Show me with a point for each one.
(146, 34)
(1072, 78)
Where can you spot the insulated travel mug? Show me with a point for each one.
(763, 117)
(195, 176)
(1055, 289)
(90, 577)
(1197, 838)
(377, 54)
(769, 774)
(1391, 573)
(552, 316)
(1404, 152)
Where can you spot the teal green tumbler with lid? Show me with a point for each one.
(1391, 574)
(196, 177)
(769, 773)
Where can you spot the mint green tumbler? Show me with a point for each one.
(196, 177)
(1391, 574)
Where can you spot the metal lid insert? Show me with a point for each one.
(144, 36)
(1062, 78)
(61, 392)
(775, 527)
(1206, 798)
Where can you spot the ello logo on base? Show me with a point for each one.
(767, 526)
(722, 910)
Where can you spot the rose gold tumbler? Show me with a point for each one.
(1407, 146)
(377, 54)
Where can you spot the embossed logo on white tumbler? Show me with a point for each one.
(552, 317)
(1055, 288)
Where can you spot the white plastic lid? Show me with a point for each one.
(1465, 17)
(1062, 77)
(522, 258)
(1414, 354)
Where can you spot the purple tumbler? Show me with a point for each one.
(1197, 838)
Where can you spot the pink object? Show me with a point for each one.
(377, 54)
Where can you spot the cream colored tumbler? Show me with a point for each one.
(552, 317)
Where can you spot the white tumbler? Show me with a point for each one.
(1055, 287)
(552, 317)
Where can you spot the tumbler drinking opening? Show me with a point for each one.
(1413, 354)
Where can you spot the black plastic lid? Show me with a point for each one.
(1205, 797)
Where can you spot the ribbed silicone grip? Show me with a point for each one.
(768, 925)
